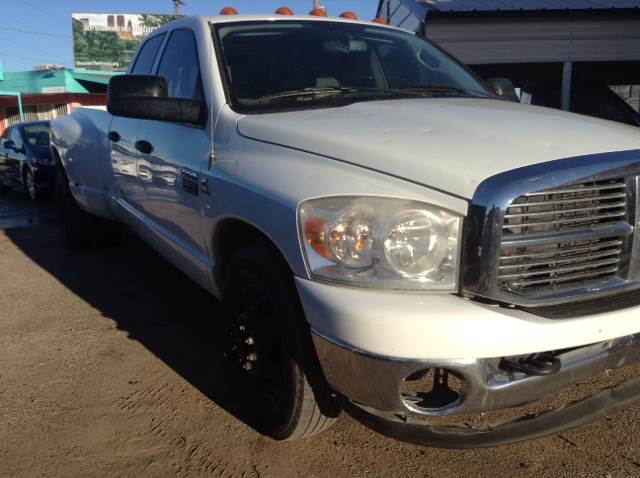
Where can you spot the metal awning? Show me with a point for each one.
(92, 76)
(459, 6)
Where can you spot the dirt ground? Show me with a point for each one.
(109, 366)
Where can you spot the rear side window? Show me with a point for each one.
(179, 66)
(16, 138)
(147, 55)
(37, 134)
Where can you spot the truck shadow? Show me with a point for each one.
(155, 303)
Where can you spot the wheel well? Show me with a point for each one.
(232, 235)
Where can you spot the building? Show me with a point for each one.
(47, 92)
(562, 50)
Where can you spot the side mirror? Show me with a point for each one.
(504, 88)
(145, 97)
(8, 144)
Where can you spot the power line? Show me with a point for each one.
(48, 60)
(39, 9)
(29, 32)
(18, 21)
(37, 50)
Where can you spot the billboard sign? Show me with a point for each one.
(107, 41)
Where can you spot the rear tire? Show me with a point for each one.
(79, 229)
(271, 357)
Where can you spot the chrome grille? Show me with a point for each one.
(550, 265)
(576, 207)
(563, 253)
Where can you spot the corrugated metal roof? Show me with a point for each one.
(526, 5)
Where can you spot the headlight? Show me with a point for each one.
(381, 242)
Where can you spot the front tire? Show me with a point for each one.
(270, 354)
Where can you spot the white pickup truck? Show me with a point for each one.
(388, 234)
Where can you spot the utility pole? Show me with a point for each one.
(177, 4)
(316, 5)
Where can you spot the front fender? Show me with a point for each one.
(263, 184)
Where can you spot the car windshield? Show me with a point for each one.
(37, 134)
(305, 64)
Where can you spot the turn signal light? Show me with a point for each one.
(228, 11)
(284, 11)
(349, 16)
(318, 12)
(314, 231)
(380, 20)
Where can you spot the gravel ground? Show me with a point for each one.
(109, 366)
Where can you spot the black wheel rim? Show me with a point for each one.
(258, 353)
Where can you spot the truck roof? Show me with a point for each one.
(218, 19)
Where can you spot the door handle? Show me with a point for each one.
(145, 147)
(114, 136)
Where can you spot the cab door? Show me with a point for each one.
(173, 153)
(130, 173)
(123, 134)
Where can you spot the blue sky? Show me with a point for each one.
(34, 32)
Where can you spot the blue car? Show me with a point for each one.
(25, 159)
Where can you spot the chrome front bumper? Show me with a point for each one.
(374, 383)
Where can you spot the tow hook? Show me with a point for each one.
(543, 363)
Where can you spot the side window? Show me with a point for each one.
(179, 66)
(16, 137)
(5, 135)
(144, 61)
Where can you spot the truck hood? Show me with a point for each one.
(451, 144)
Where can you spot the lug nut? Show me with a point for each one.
(247, 366)
(252, 357)
(242, 328)
(249, 341)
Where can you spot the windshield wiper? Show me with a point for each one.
(447, 90)
(306, 92)
(338, 90)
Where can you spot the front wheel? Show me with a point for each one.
(269, 349)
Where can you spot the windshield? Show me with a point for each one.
(305, 64)
(37, 134)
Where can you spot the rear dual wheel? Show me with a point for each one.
(269, 349)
